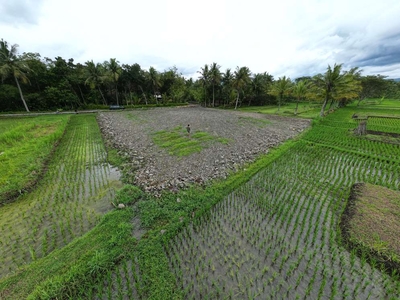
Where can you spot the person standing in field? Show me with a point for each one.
(188, 129)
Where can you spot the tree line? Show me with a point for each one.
(30, 82)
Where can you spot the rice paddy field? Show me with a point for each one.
(25, 145)
(277, 236)
(67, 202)
(269, 231)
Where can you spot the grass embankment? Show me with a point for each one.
(379, 103)
(305, 109)
(371, 224)
(25, 146)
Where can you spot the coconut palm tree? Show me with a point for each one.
(114, 71)
(11, 64)
(95, 76)
(227, 82)
(241, 79)
(335, 84)
(300, 90)
(215, 78)
(204, 79)
(154, 79)
(281, 88)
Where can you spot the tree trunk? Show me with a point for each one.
(116, 93)
(237, 99)
(213, 97)
(297, 106)
(83, 98)
(205, 97)
(20, 93)
(78, 101)
(359, 100)
(279, 102)
(101, 93)
(330, 105)
(321, 114)
(145, 98)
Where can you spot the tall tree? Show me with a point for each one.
(133, 80)
(204, 79)
(11, 64)
(260, 84)
(336, 84)
(62, 77)
(241, 79)
(155, 82)
(76, 79)
(227, 83)
(281, 88)
(215, 78)
(173, 85)
(168, 79)
(95, 77)
(114, 71)
(373, 86)
(300, 90)
(37, 71)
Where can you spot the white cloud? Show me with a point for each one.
(19, 12)
(291, 37)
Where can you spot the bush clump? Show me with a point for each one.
(128, 195)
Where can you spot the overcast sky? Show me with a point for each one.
(287, 37)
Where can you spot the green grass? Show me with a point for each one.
(379, 103)
(177, 141)
(25, 146)
(305, 110)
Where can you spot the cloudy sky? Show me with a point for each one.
(287, 37)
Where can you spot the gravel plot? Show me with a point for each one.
(154, 169)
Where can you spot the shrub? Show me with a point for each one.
(129, 194)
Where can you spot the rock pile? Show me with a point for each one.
(155, 170)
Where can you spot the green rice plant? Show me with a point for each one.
(54, 204)
(305, 213)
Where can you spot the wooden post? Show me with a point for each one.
(362, 128)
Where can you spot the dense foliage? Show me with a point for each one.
(58, 83)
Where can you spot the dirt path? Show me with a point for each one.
(154, 169)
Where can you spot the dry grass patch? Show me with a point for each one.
(375, 221)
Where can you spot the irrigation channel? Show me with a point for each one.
(276, 237)
(70, 199)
